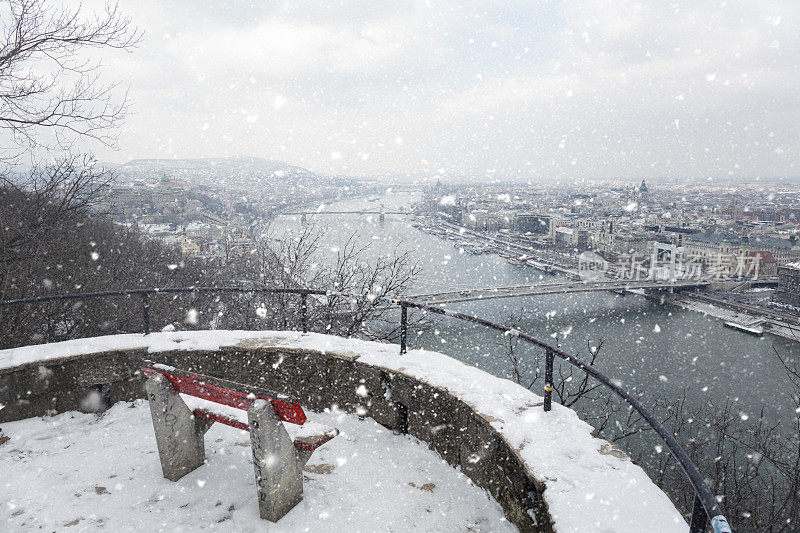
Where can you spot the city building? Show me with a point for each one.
(788, 291)
(767, 265)
(532, 223)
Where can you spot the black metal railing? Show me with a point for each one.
(705, 504)
(146, 293)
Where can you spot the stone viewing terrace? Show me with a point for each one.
(426, 442)
(103, 472)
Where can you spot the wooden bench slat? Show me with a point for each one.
(227, 392)
(216, 417)
(312, 442)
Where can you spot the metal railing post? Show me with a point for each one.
(303, 312)
(403, 327)
(146, 313)
(548, 379)
(699, 516)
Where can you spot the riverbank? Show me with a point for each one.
(737, 317)
(749, 319)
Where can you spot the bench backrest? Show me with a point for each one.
(226, 392)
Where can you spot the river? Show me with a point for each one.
(648, 345)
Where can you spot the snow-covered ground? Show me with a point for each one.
(590, 485)
(78, 472)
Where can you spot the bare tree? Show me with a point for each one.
(611, 417)
(358, 286)
(46, 82)
(368, 284)
(50, 90)
(751, 463)
(87, 253)
(38, 204)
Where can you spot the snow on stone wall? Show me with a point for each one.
(579, 482)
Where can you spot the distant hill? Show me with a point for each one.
(216, 171)
(254, 164)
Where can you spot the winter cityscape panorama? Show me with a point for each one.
(424, 265)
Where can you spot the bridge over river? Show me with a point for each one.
(554, 288)
(362, 212)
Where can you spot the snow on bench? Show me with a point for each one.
(184, 405)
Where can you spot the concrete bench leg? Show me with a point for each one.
(302, 456)
(179, 435)
(279, 478)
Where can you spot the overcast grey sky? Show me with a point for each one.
(493, 88)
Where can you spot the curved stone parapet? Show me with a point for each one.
(546, 470)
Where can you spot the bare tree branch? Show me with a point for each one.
(47, 84)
